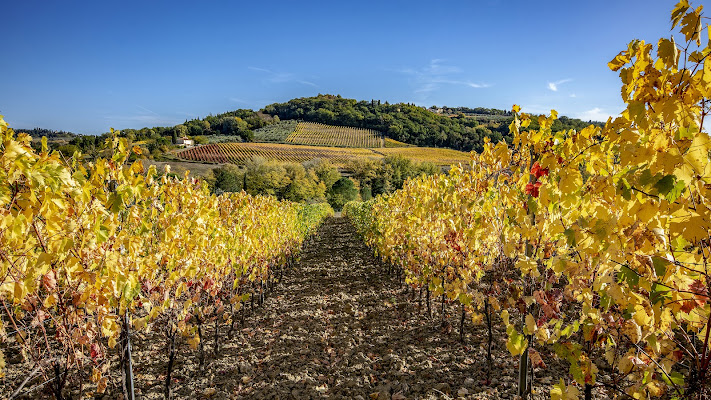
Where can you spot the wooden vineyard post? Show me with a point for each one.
(201, 346)
(523, 373)
(443, 311)
(171, 362)
(216, 337)
(429, 309)
(523, 386)
(489, 361)
(127, 366)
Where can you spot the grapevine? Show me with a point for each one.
(607, 230)
(91, 252)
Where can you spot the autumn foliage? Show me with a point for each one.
(89, 252)
(608, 230)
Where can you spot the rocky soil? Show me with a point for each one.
(338, 326)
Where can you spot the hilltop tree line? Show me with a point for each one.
(473, 111)
(410, 123)
(49, 133)
(407, 123)
(238, 125)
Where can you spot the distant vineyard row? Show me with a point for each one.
(240, 153)
(315, 134)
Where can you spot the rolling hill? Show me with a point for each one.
(291, 141)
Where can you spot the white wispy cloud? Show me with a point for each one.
(260, 69)
(139, 119)
(554, 85)
(594, 114)
(435, 74)
(436, 67)
(282, 77)
(427, 88)
(147, 110)
(462, 83)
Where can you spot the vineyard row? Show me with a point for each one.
(90, 254)
(592, 245)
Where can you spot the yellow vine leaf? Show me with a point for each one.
(561, 391)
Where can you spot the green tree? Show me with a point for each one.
(428, 168)
(382, 183)
(366, 193)
(195, 129)
(303, 184)
(227, 179)
(363, 170)
(341, 192)
(200, 140)
(265, 177)
(236, 126)
(179, 131)
(324, 170)
(67, 150)
(402, 169)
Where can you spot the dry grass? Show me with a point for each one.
(434, 155)
(394, 143)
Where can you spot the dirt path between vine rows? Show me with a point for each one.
(338, 326)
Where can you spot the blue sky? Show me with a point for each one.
(88, 66)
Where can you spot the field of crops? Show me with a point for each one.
(394, 143)
(314, 134)
(434, 155)
(240, 153)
